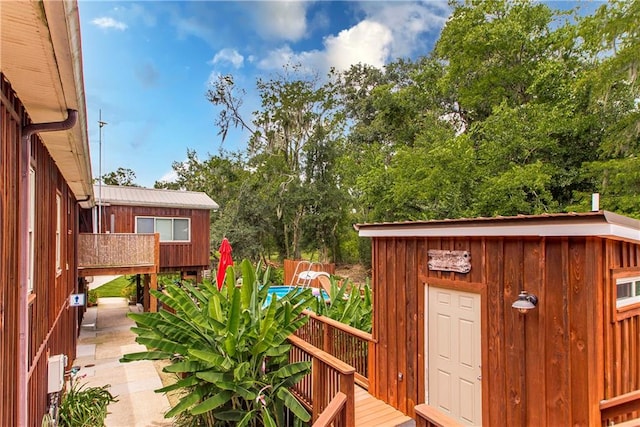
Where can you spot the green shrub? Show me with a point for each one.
(85, 407)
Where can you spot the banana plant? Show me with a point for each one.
(348, 304)
(229, 350)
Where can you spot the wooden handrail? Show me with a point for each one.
(328, 377)
(334, 362)
(624, 404)
(332, 411)
(428, 416)
(353, 346)
(341, 326)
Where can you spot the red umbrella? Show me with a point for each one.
(225, 261)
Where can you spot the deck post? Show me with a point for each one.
(146, 296)
(317, 383)
(153, 284)
(347, 387)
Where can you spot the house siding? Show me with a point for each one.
(550, 367)
(52, 324)
(192, 255)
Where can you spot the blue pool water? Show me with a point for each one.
(281, 291)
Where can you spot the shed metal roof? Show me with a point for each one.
(138, 196)
(600, 224)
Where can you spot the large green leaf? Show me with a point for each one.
(293, 404)
(213, 376)
(182, 383)
(266, 418)
(163, 345)
(292, 369)
(185, 403)
(215, 309)
(214, 359)
(184, 366)
(234, 313)
(212, 402)
(146, 355)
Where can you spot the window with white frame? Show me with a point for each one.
(32, 226)
(170, 229)
(58, 233)
(627, 291)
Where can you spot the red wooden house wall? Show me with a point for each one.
(52, 324)
(174, 256)
(550, 367)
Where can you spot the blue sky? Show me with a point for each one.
(148, 64)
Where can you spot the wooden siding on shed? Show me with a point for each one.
(542, 368)
(52, 324)
(174, 256)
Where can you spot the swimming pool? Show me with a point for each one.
(281, 291)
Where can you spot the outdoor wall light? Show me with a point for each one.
(525, 302)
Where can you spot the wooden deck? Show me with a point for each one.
(372, 412)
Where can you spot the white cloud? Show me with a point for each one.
(309, 60)
(170, 176)
(408, 22)
(283, 20)
(368, 42)
(390, 30)
(228, 55)
(107, 23)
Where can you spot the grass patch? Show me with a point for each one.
(113, 288)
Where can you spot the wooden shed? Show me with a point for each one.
(45, 175)
(181, 218)
(449, 345)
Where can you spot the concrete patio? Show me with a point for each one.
(105, 336)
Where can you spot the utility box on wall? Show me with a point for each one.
(56, 367)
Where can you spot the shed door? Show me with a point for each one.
(454, 354)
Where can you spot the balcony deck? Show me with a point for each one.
(118, 253)
(372, 412)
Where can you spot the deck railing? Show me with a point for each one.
(428, 416)
(104, 251)
(621, 408)
(328, 378)
(350, 345)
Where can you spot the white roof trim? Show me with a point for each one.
(604, 225)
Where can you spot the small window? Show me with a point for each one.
(181, 229)
(169, 229)
(32, 227)
(144, 225)
(627, 291)
(58, 234)
(164, 228)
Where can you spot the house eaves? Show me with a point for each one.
(41, 55)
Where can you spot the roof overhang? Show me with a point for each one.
(597, 224)
(41, 55)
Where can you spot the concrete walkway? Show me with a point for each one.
(104, 338)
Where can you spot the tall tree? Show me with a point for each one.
(296, 122)
(122, 176)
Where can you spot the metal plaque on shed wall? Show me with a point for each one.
(442, 260)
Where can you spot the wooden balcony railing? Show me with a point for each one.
(115, 252)
(328, 378)
(621, 409)
(350, 345)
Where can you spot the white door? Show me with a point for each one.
(454, 370)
